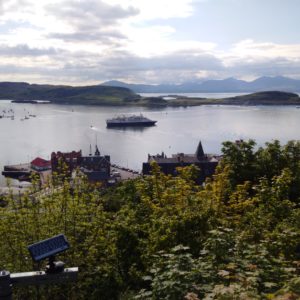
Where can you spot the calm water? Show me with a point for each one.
(67, 128)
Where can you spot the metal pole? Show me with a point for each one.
(5, 286)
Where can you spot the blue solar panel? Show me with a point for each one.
(49, 247)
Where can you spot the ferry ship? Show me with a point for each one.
(133, 120)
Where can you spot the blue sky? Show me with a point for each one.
(83, 42)
(229, 21)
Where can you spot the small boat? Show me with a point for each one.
(133, 120)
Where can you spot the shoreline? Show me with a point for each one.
(268, 98)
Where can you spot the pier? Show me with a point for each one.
(23, 172)
(20, 171)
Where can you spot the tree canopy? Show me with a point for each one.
(164, 237)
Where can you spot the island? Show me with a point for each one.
(22, 92)
(259, 98)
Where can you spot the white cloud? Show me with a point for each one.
(158, 9)
(251, 48)
(83, 67)
(88, 41)
(252, 59)
(89, 14)
(25, 51)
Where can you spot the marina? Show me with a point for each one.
(17, 171)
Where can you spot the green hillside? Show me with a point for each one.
(260, 98)
(92, 95)
(121, 96)
(265, 98)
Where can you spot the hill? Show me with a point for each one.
(122, 96)
(264, 98)
(61, 94)
(229, 85)
(260, 98)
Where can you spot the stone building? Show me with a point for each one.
(96, 167)
(207, 163)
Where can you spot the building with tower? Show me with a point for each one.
(96, 167)
(207, 163)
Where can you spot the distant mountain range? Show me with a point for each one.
(229, 85)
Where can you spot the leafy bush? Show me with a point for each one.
(163, 237)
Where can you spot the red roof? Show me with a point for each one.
(40, 162)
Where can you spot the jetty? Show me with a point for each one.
(20, 171)
(23, 172)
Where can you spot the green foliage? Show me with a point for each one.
(164, 237)
(247, 164)
(172, 275)
(74, 210)
(240, 157)
(227, 268)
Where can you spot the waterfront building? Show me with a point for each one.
(207, 163)
(71, 159)
(96, 167)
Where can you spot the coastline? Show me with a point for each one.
(259, 98)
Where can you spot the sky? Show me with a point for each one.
(85, 42)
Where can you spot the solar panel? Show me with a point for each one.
(48, 247)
